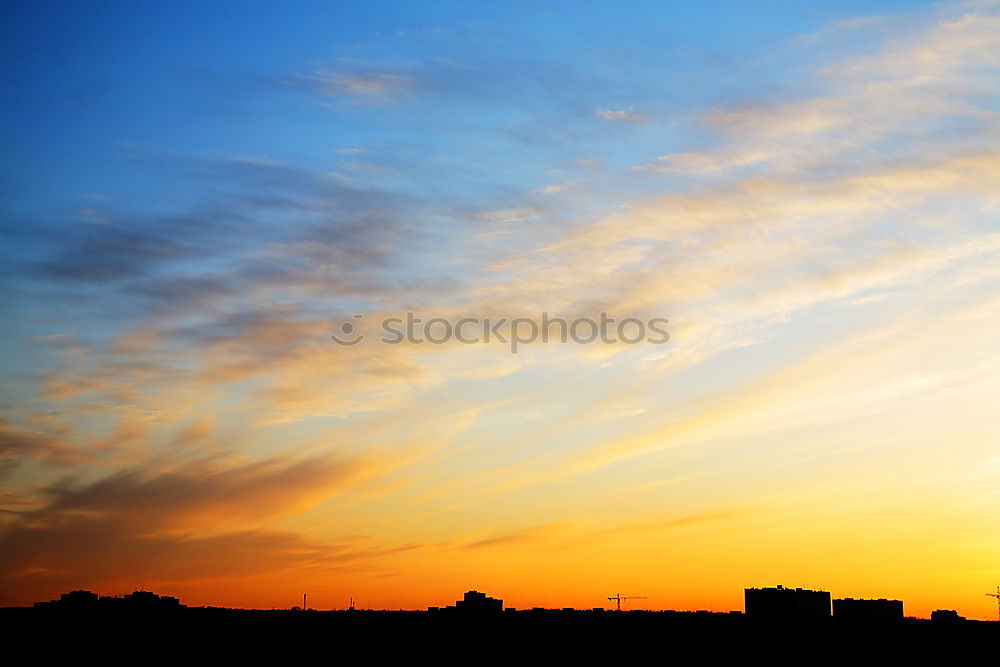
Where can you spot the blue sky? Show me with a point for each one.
(85, 83)
(124, 107)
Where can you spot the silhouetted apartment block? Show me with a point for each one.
(781, 602)
(476, 601)
(946, 616)
(78, 599)
(147, 600)
(136, 605)
(868, 610)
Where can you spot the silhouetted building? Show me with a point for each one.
(946, 616)
(78, 597)
(476, 601)
(137, 605)
(786, 603)
(78, 600)
(880, 610)
(147, 600)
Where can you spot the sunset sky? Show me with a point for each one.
(195, 198)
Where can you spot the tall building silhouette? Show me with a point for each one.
(946, 616)
(868, 610)
(476, 601)
(786, 603)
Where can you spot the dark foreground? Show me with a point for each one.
(392, 632)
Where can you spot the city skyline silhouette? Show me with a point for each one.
(799, 616)
(777, 603)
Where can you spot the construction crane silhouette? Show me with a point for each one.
(997, 596)
(618, 598)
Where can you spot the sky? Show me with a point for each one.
(195, 197)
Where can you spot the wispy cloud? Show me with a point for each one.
(628, 115)
(361, 88)
(196, 520)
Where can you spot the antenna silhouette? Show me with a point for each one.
(618, 598)
(997, 596)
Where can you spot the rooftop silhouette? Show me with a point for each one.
(790, 603)
(473, 602)
(777, 607)
(476, 625)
